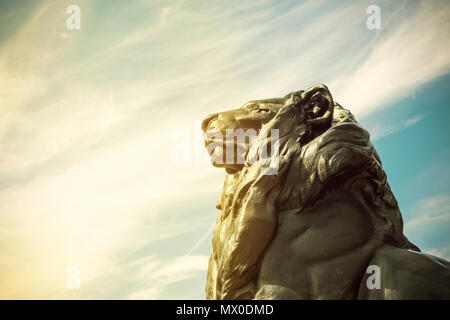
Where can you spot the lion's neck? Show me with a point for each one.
(244, 228)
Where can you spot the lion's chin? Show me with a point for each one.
(218, 161)
(229, 168)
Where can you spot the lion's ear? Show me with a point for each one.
(318, 96)
(319, 106)
(318, 87)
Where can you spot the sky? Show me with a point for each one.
(102, 167)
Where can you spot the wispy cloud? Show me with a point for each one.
(383, 130)
(431, 224)
(442, 252)
(405, 56)
(154, 276)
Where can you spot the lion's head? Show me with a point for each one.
(318, 145)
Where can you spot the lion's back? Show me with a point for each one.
(407, 274)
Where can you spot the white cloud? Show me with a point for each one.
(154, 277)
(429, 229)
(383, 130)
(441, 252)
(406, 56)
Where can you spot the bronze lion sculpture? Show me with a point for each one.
(311, 229)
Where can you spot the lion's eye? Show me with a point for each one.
(257, 108)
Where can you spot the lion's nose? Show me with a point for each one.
(207, 120)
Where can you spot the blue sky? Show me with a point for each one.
(90, 120)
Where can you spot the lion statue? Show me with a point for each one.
(317, 226)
